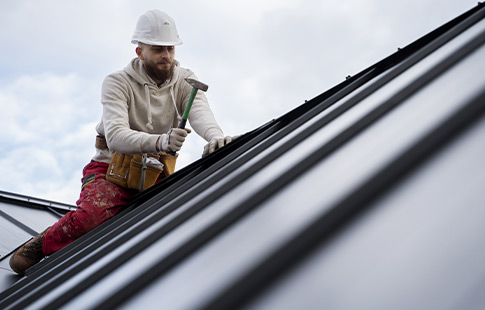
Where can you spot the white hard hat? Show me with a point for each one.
(156, 28)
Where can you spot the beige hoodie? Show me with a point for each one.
(136, 111)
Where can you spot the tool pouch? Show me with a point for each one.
(119, 169)
(151, 173)
(125, 170)
(168, 162)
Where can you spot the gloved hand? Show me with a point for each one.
(173, 140)
(217, 143)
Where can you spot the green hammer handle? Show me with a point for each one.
(183, 121)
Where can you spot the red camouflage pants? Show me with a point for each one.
(99, 200)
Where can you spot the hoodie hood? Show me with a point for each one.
(136, 71)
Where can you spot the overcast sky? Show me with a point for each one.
(260, 59)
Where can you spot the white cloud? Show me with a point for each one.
(44, 105)
(45, 135)
(20, 170)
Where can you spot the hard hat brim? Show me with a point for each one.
(179, 42)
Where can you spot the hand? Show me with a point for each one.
(217, 143)
(173, 140)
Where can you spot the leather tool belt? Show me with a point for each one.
(137, 171)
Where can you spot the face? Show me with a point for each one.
(157, 60)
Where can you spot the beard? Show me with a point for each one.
(157, 74)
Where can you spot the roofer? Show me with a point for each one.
(142, 105)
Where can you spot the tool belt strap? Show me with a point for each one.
(101, 143)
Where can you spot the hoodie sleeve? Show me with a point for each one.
(201, 117)
(120, 137)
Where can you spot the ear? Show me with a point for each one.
(138, 51)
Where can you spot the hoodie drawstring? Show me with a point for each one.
(175, 105)
(147, 95)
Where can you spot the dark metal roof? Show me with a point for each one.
(367, 196)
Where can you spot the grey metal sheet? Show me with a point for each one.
(35, 218)
(419, 247)
(11, 237)
(7, 276)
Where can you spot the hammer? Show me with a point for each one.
(196, 85)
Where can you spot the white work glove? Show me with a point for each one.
(217, 143)
(173, 140)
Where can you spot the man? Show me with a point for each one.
(142, 105)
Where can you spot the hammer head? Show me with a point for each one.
(197, 84)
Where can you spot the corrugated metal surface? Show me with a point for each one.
(368, 196)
